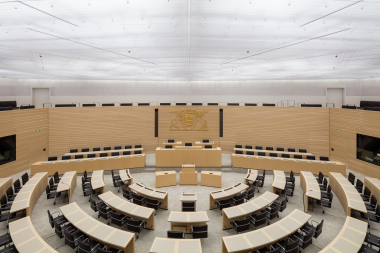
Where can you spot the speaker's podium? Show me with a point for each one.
(175, 157)
(188, 175)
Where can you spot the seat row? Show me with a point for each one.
(270, 148)
(309, 157)
(68, 157)
(140, 200)
(105, 148)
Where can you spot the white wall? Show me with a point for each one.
(89, 91)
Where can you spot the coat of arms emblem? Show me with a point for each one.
(189, 120)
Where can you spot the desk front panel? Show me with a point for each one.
(199, 157)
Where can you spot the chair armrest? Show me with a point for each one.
(297, 238)
(280, 246)
(79, 237)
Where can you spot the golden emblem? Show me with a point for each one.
(189, 120)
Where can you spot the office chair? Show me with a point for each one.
(291, 183)
(372, 239)
(137, 152)
(282, 204)
(372, 216)
(238, 146)
(351, 178)
(115, 154)
(206, 141)
(52, 158)
(289, 246)
(126, 192)
(297, 156)
(325, 202)
(269, 148)
(94, 205)
(188, 144)
(248, 147)
(59, 220)
(66, 157)
(320, 178)
(59, 229)
(317, 230)
(17, 185)
(138, 146)
(128, 147)
(326, 194)
(258, 219)
(53, 187)
(261, 153)
(259, 147)
(291, 176)
(51, 195)
(238, 199)
(291, 150)
(323, 186)
(87, 246)
(371, 206)
(25, 178)
(138, 200)
(285, 155)
(118, 219)
(153, 203)
(5, 206)
(273, 154)
(304, 240)
(56, 177)
(260, 183)
(199, 231)
(86, 178)
(135, 226)
(241, 225)
(367, 249)
(208, 146)
(238, 152)
(272, 213)
(303, 151)
(103, 154)
(110, 250)
(271, 250)
(96, 149)
(359, 185)
(170, 141)
(72, 237)
(104, 212)
(224, 203)
(73, 150)
(280, 149)
(366, 195)
(323, 158)
(78, 156)
(126, 152)
(250, 153)
(310, 157)
(288, 192)
(6, 216)
(10, 195)
(117, 147)
(85, 150)
(176, 234)
(107, 148)
(91, 156)
(168, 146)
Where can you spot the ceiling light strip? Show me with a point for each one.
(332, 13)
(287, 46)
(90, 46)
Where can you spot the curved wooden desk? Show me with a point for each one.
(5, 183)
(68, 183)
(350, 238)
(126, 176)
(226, 193)
(279, 180)
(96, 230)
(373, 185)
(109, 152)
(262, 237)
(29, 193)
(127, 208)
(165, 245)
(347, 193)
(97, 180)
(26, 239)
(147, 192)
(251, 176)
(286, 164)
(310, 187)
(182, 221)
(247, 209)
(89, 164)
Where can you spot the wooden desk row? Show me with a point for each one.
(226, 193)
(96, 230)
(201, 157)
(89, 164)
(241, 211)
(346, 193)
(97, 180)
(310, 187)
(28, 195)
(286, 164)
(257, 239)
(68, 183)
(147, 192)
(127, 208)
(267, 152)
(350, 238)
(5, 183)
(176, 245)
(279, 180)
(182, 221)
(109, 152)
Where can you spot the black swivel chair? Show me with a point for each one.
(168, 146)
(118, 219)
(317, 230)
(304, 240)
(107, 148)
(87, 246)
(371, 206)
(117, 182)
(272, 249)
(269, 148)
(126, 192)
(73, 150)
(291, 150)
(57, 179)
(126, 152)
(372, 240)
(59, 220)
(325, 202)
(289, 246)
(282, 204)
(224, 203)
(25, 178)
(91, 156)
(259, 183)
(238, 152)
(128, 147)
(261, 153)
(372, 216)
(240, 225)
(250, 153)
(96, 149)
(188, 206)
(104, 212)
(110, 250)
(326, 194)
(52, 158)
(86, 177)
(238, 146)
(280, 149)
(135, 226)
(320, 178)
(10, 195)
(85, 150)
(238, 199)
(323, 186)
(153, 203)
(323, 158)
(199, 231)
(359, 185)
(303, 151)
(138, 146)
(250, 193)
(248, 147)
(206, 141)
(103, 154)
(366, 195)
(310, 157)
(94, 205)
(297, 156)
(117, 147)
(53, 187)
(351, 178)
(137, 152)
(188, 144)
(272, 213)
(17, 185)
(115, 154)
(66, 157)
(59, 228)
(258, 219)
(171, 141)
(285, 155)
(51, 195)
(72, 237)
(290, 178)
(208, 146)
(176, 234)
(273, 154)
(259, 147)
(139, 200)
(7, 216)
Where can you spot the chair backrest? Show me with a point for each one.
(202, 228)
(51, 181)
(259, 147)
(280, 149)
(367, 192)
(104, 250)
(91, 156)
(291, 150)
(96, 149)
(261, 153)
(85, 149)
(377, 212)
(292, 246)
(137, 152)
(248, 147)
(285, 155)
(78, 156)
(325, 182)
(329, 189)
(10, 191)
(323, 158)
(73, 150)
(240, 196)
(128, 147)
(310, 157)
(58, 228)
(373, 200)
(242, 222)
(320, 175)
(85, 247)
(17, 183)
(359, 183)
(330, 198)
(269, 148)
(107, 148)
(308, 239)
(206, 141)
(52, 158)
(297, 156)
(283, 204)
(208, 146)
(168, 146)
(134, 223)
(115, 154)
(238, 146)
(93, 205)
(25, 177)
(152, 201)
(175, 234)
(66, 157)
(47, 191)
(291, 174)
(238, 152)
(250, 153)
(170, 141)
(303, 151)
(103, 154)
(69, 237)
(225, 201)
(251, 193)
(260, 218)
(188, 144)
(275, 210)
(351, 176)
(117, 147)
(273, 154)
(117, 215)
(318, 229)
(138, 146)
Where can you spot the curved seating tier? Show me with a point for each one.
(144, 191)
(279, 180)
(267, 152)
(226, 193)
(182, 221)
(350, 238)
(28, 195)
(248, 208)
(26, 239)
(347, 194)
(265, 236)
(176, 245)
(310, 187)
(109, 236)
(286, 164)
(127, 208)
(89, 164)
(97, 180)
(109, 152)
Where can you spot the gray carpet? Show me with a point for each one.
(334, 218)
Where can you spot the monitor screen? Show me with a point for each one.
(368, 148)
(7, 149)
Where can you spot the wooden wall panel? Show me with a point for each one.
(351, 122)
(30, 144)
(287, 127)
(165, 117)
(87, 127)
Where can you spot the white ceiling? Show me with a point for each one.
(189, 39)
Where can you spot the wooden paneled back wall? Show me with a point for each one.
(351, 122)
(89, 127)
(287, 127)
(30, 144)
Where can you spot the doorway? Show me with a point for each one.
(335, 97)
(40, 96)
